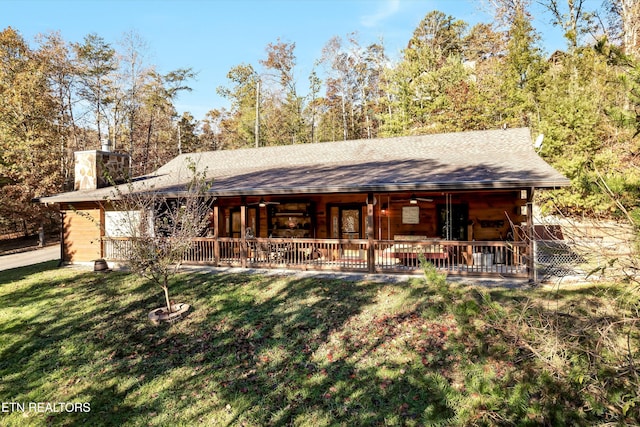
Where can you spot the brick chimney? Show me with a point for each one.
(99, 168)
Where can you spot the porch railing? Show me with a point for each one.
(381, 256)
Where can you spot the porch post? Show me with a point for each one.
(216, 235)
(531, 262)
(62, 235)
(243, 234)
(102, 230)
(371, 253)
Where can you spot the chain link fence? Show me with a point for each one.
(568, 249)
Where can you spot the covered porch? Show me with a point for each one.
(496, 259)
(460, 232)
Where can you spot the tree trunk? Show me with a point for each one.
(344, 119)
(165, 288)
(145, 154)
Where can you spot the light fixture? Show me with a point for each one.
(262, 203)
(413, 200)
(385, 206)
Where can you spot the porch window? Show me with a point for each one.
(292, 219)
(125, 224)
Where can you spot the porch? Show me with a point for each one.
(484, 258)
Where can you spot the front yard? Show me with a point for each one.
(76, 348)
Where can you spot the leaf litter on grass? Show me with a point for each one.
(262, 350)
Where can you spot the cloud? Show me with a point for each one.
(385, 10)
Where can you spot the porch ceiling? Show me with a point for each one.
(480, 160)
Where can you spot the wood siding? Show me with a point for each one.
(82, 224)
(487, 217)
(489, 214)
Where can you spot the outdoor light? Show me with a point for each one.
(413, 200)
(262, 203)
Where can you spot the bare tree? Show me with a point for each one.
(506, 11)
(572, 18)
(162, 228)
(134, 74)
(583, 248)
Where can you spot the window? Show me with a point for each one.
(122, 223)
(292, 219)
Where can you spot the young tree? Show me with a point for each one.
(578, 139)
(524, 71)
(313, 105)
(161, 228)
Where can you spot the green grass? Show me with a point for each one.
(270, 350)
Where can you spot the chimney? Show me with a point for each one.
(106, 145)
(100, 168)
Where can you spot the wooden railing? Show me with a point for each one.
(488, 258)
(116, 248)
(382, 256)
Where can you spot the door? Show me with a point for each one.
(351, 222)
(235, 222)
(452, 221)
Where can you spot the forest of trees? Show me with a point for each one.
(57, 97)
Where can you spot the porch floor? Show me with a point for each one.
(361, 265)
(394, 277)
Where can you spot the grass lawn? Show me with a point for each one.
(270, 350)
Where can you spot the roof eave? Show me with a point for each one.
(396, 187)
(73, 197)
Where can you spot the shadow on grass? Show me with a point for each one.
(259, 350)
(254, 350)
(15, 274)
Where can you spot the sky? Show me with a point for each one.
(213, 36)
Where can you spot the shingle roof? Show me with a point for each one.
(492, 159)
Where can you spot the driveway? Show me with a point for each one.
(23, 259)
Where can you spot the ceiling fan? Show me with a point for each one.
(262, 203)
(413, 199)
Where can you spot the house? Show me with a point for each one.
(462, 201)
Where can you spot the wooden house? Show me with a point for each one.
(462, 201)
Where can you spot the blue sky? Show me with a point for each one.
(212, 36)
